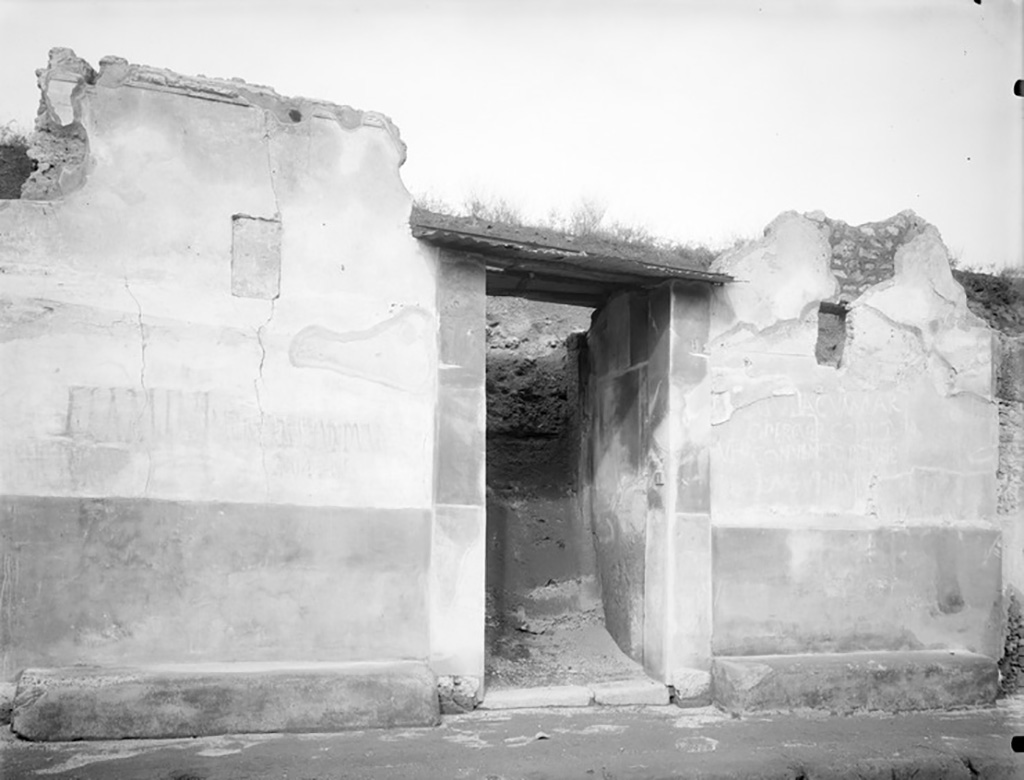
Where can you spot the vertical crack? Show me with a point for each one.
(145, 389)
(270, 165)
(259, 400)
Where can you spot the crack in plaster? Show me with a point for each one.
(731, 409)
(972, 394)
(270, 164)
(259, 400)
(927, 350)
(727, 339)
(142, 382)
(258, 380)
(916, 331)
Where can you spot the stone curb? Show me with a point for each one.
(853, 682)
(91, 703)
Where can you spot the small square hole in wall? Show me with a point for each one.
(831, 334)
(255, 257)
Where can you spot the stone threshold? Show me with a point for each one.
(616, 693)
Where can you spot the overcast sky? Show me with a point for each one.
(701, 120)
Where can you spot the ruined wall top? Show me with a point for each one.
(864, 255)
(60, 146)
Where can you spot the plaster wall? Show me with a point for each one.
(852, 507)
(620, 472)
(458, 547)
(219, 344)
(687, 555)
(649, 393)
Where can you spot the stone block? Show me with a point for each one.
(190, 701)
(458, 694)
(851, 682)
(622, 692)
(545, 696)
(692, 687)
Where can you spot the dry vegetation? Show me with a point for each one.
(998, 298)
(586, 224)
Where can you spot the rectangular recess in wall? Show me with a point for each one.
(255, 257)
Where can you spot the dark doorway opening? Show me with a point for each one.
(545, 617)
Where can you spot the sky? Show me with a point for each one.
(701, 121)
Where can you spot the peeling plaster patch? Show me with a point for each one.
(926, 302)
(389, 353)
(863, 255)
(59, 144)
(881, 351)
(794, 248)
(27, 318)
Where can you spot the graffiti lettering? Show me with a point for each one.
(177, 417)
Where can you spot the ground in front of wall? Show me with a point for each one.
(571, 649)
(593, 742)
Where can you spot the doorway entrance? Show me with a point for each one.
(545, 622)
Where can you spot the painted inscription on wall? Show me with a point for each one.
(808, 449)
(908, 453)
(171, 443)
(167, 416)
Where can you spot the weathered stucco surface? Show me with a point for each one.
(649, 493)
(458, 550)
(220, 353)
(246, 418)
(872, 485)
(619, 464)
